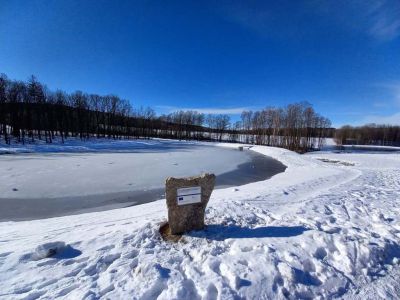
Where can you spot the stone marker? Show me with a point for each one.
(187, 199)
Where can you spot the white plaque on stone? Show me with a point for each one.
(189, 195)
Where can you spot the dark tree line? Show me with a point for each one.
(370, 134)
(29, 111)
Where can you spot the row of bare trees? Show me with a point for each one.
(29, 111)
(194, 125)
(296, 127)
(370, 134)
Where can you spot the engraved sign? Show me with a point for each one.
(189, 195)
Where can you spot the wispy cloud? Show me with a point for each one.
(263, 20)
(384, 18)
(393, 119)
(394, 89)
(210, 110)
(379, 19)
(252, 19)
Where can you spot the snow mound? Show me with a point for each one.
(56, 250)
(48, 249)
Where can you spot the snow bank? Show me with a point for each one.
(317, 230)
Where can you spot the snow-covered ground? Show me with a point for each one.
(321, 229)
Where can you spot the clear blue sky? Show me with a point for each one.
(342, 56)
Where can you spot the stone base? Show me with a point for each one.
(166, 234)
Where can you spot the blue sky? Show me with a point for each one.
(214, 56)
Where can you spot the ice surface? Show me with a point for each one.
(52, 175)
(47, 184)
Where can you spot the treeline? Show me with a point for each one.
(296, 127)
(371, 134)
(29, 111)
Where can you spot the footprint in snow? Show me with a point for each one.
(5, 254)
(104, 248)
(320, 253)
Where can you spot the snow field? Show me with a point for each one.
(318, 230)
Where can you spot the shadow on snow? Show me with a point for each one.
(221, 232)
(67, 252)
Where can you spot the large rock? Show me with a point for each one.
(186, 212)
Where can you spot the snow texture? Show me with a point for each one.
(319, 230)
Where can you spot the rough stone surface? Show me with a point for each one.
(188, 217)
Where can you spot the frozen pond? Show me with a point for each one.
(371, 149)
(366, 149)
(49, 183)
